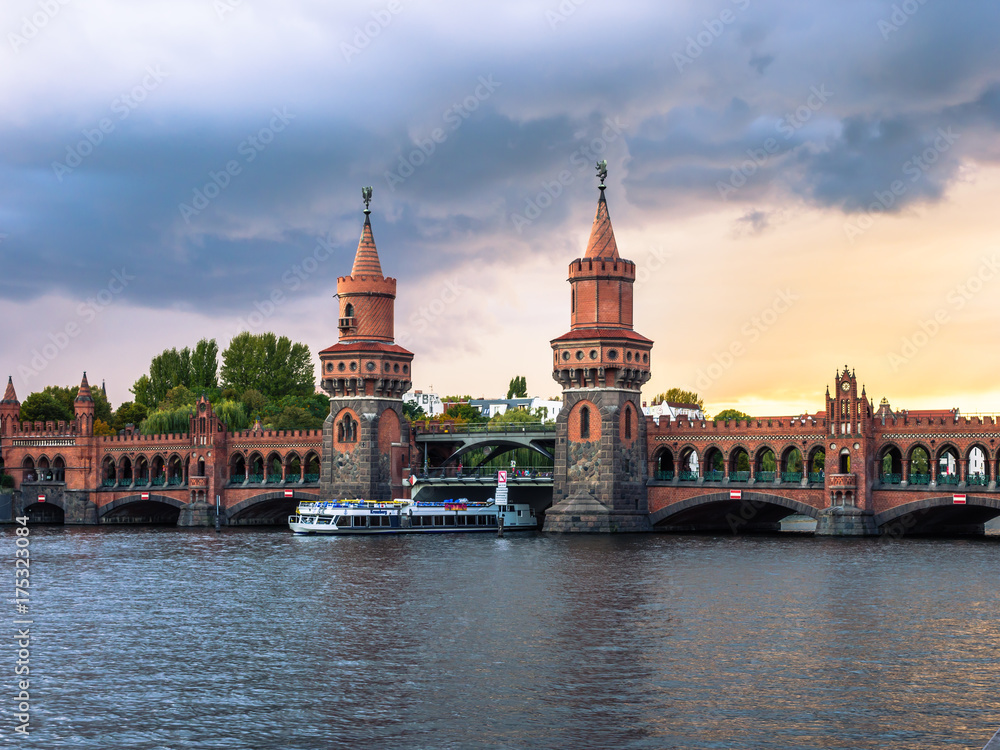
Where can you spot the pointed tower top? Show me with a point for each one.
(366, 261)
(10, 397)
(103, 389)
(602, 235)
(84, 393)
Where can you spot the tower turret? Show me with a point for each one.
(10, 409)
(366, 374)
(601, 364)
(83, 408)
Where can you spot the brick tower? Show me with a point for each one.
(850, 460)
(366, 436)
(601, 364)
(10, 409)
(84, 408)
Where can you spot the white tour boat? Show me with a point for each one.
(409, 517)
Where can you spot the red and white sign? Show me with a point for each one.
(145, 496)
(41, 498)
(958, 499)
(502, 478)
(735, 494)
(413, 479)
(289, 493)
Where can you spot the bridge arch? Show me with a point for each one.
(266, 508)
(715, 511)
(136, 509)
(663, 462)
(939, 515)
(765, 461)
(889, 464)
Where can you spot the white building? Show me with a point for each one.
(490, 407)
(429, 402)
(672, 410)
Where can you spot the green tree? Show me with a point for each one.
(66, 395)
(267, 363)
(679, 396)
(233, 414)
(297, 418)
(44, 407)
(413, 411)
(515, 416)
(518, 387)
(731, 415)
(204, 365)
(177, 397)
(168, 421)
(142, 389)
(129, 413)
(254, 403)
(462, 413)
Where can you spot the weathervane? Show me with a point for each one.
(602, 172)
(366, 196)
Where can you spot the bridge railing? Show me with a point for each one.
(483, 428)
(479, 473)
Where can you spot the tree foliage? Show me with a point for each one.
(43, 406)
(679, 396)
(129, 413)
(729, 415)
(197, 371)
(168, 421)
(268, 363)
(463, 413)
(103, 428)
(518, 387)
(413, 411)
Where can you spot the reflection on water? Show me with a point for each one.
(165, 638)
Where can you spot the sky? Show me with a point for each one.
(802, 185)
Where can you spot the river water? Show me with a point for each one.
(180, 638)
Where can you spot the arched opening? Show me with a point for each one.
(157, 476)
(689, 465)
(715, 465)
(947, 466)
(845, 461)
(891, 465)
(940, 516)
(739, 465)
(44, 513)
(125, 472)
(817, 465)
(175, 471)
(755, 511)
(273, 469)
(347, 429)
(44, 471)
(59, 469)
(628, 423)
(201, 467)
(664, 460)
(979, 467)
(312, 467)
(145, 512)
(109, 472)
(28, 472)
(263, 511)
(920, 466)
(293, 468)
(256, 469)
(141, 471)
(348, 310)
(237, 469)
(766, 466)
(585, 422)
(791, 466)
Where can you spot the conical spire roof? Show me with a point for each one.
(602, 235)
(366, 261)
(9, 397)
(84, 393)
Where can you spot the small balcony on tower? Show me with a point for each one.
(347, 324)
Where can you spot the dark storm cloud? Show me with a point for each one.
(778, 99)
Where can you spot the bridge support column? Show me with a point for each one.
(846, 520)
(197, 513)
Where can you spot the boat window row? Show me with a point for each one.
(480, 520)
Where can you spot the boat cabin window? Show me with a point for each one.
(360, 521)
(439, 520)
(449, 520)
(460, 520)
